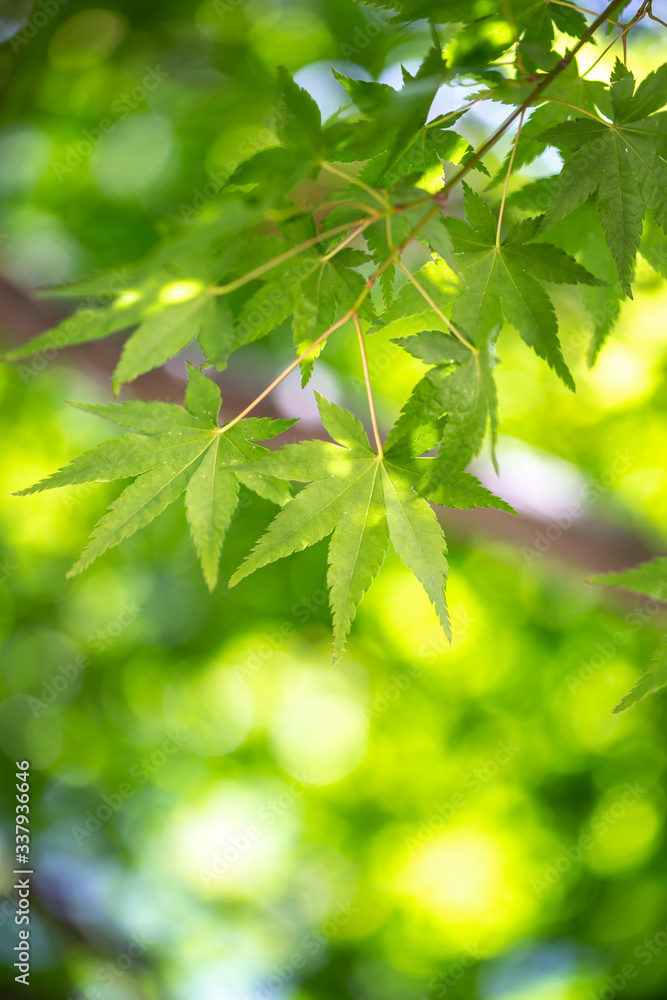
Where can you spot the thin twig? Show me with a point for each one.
(367, 379)
(519, 112)
(327, 203)
(436, 309)
(507, 179)
(654, 17)
(575, 107)
(290, 368)
(453, 114)
(641, 13)
(585, 10)
(536, 93)
(293, 252)
(356, 180)
(350, 238)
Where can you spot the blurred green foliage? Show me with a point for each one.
(216, 812)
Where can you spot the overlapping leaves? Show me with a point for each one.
(621, 160)
(268, 253)
(174, 451)
(364, 501)
(460, 388)
(504, 280)
(567, 92)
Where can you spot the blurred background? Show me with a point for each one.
(216, 811)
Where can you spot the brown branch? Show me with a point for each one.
(536, 93)
(590, 545)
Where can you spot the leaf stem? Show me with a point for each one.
(436, 309)
(507, 178)
(654, 17)
(562, 65)
(367, 379)
(350, 238)
(326, 203)
(584, 10)
(361, 224)
(575, 107)
(290, 368)
(398, 250)
(641, 13)
(356, 180)
(453, 114)
(292, 252)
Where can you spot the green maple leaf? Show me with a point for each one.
(410, 312)
(164, 333)
(299, 118)
(460, 386)
(364, 501)
(649, 579)
(579, 233)
(538, 17)
(537, 20)
(169, 301)
(399, 115)
(397, 142)
(653, 679)
(173, 451)
(382, 237)
(270, 175)
(621, 161)
(569, 88)
(327, 293)
(505, 280)
(429, 147)
(440, 12)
